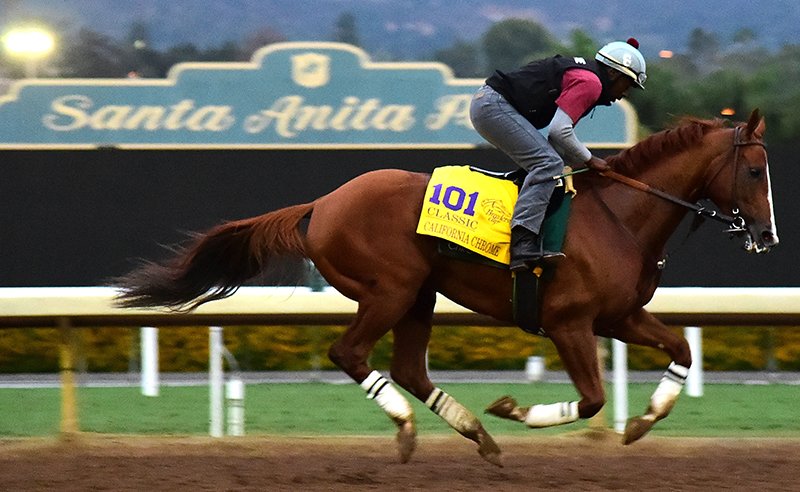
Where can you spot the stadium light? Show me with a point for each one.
(31, 44)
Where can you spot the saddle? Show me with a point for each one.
(461, 236)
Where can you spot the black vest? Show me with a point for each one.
(533, 89)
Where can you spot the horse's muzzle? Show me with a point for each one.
(760, 240)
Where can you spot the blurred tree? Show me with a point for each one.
(345, 29)
(745, 59)
(775, 89)
(92, 54)
(227, 51)
(512, 43)
(581, 44)
(745, 36)
(180, 53)
(721, 89)
(258, 39)
(463, 57)
(743, 79)
(144, 61)
(138, 35)
(187, 52)
(666, 97)
(704, 50)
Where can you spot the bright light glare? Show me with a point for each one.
(29, 42)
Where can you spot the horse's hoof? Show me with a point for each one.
(502, 407)
(489, 450)
(406, 440)
(506, 408)
(636, 428)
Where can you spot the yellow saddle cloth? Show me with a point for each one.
(469, 209)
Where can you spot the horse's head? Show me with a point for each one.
(741, 184)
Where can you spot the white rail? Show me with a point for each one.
(92, 306)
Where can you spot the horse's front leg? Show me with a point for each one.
(350, 353)
(409, 370)
(642, 328)
(577, 349)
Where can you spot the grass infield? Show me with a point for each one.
(725, 410)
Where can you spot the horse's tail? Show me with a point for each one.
(215, 264)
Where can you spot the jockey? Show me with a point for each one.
(554, 92)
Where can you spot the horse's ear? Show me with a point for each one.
(756, 124)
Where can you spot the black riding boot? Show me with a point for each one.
(526, 250)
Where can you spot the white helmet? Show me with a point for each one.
(624, 57)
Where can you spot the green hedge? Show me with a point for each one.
(305, 347)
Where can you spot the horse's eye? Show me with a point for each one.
(755, 172)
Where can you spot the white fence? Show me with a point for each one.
(91, 306)
(69, 307)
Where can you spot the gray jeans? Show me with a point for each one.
(502, 126)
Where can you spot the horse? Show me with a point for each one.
(362, 239)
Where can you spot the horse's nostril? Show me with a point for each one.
(768, 238)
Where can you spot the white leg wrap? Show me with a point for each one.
(666, 394)
(387, 397)
(452, 412)
(552, 414)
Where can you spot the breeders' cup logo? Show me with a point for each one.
(311, 70)
(496, 211)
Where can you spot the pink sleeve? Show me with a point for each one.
(580, 90)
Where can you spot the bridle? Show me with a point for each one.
(736, 223)
(738, 143)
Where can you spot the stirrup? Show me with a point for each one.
(552, 256)
(543, 258)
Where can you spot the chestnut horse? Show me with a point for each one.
(362, 239)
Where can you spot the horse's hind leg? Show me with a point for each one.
(642, 328)
(409, 370)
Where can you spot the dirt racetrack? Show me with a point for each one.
(584, 461)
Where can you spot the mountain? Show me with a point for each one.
(414, 29)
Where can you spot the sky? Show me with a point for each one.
(390, 24)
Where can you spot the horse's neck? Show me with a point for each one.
(652, 219)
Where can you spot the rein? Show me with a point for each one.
(736, 223)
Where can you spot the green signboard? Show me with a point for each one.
(291, 95)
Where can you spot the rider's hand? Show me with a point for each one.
(598, 164)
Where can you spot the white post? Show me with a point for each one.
(694, 382)
(534, 368)
(620, 366)
(234, 393)
(149, 360)
(215, 380)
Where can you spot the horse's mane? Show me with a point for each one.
(688, 131)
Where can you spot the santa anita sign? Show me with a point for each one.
(291, 95)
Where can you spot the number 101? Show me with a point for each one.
(453, 198)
